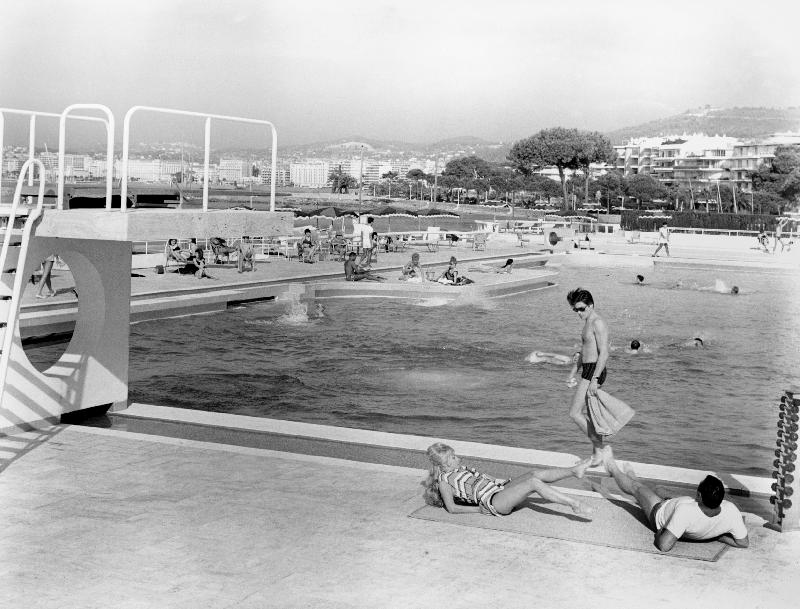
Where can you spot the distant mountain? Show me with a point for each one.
(744, 123)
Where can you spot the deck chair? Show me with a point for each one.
(221, 249)
(479, 244)
(522, 240)
(431, 238)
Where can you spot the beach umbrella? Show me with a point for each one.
(329, 212)
(434, 213)
(390, 212)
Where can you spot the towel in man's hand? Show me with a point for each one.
(607, 413)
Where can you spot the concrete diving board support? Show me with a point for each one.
(95, 244)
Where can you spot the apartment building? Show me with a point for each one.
(309, 174)
(233, 170)
(747, 156)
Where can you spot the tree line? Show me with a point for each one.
(776, 183)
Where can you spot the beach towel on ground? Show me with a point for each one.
(607, 413)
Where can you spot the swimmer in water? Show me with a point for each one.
(550, 358)
(639, 279)
(735, 290)
(696, 342)
(635, 346)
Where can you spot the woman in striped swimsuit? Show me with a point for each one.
(449, 480)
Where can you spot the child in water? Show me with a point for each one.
(448, 481)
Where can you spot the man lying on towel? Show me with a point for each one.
(705, 516)
(353, 272)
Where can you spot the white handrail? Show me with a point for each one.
(126, 143)
(19, 276)
(62, 137)
(32, 133)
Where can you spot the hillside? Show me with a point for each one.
(744, 123)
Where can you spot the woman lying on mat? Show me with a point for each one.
(448, 481)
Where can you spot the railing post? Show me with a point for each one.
(206, 160)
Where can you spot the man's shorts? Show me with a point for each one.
(587, 372)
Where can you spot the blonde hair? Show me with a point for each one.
(438, 454)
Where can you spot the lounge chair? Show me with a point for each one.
(221, 249)
(522, 240)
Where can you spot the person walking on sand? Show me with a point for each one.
(593, 358)
(663, 239)
(779, 234)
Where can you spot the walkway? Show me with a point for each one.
(99, 518)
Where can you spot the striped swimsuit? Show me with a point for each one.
(473, 487)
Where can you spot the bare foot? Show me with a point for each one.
(627, 469)
(596, 458)
(581, 509)
(579, 469)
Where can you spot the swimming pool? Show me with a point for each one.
(462, 371)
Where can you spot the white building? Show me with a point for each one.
(309, 174)
(232, 170)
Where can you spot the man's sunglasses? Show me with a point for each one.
(579, 310)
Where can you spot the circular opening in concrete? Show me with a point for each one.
(51, 289)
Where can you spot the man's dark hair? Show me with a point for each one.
(352, 255)
(370, 220)
(308, 230)
(635, 344)
(712, 492)
(580, 295)
(640, 278)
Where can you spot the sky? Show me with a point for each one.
(415, 71)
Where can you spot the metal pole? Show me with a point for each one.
(31, 145)
(206, 160)
(361, 176)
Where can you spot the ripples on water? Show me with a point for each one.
(461, 372)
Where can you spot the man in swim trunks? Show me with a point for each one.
(663, 239)
(353, 272)
(705, 516)
(594, 354)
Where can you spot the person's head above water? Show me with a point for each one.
(640, 278)
(698, 342)
(735, 290)
(635, 344)
(415, 257)
(509, 262)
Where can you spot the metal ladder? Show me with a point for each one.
(13, 256)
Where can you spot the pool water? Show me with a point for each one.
(464, 371)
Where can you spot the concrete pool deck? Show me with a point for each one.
(98, 518)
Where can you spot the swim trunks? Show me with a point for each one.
(587, 372)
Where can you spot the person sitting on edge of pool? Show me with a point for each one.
(703, 517)
(462, 490)
(412, 271)
(353, 272)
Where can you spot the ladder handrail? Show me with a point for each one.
(19, 276)
(126, 129)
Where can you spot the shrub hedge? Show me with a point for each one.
(635, 219)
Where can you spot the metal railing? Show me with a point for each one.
(62, 140)
(33, 114)
(19, 276)
(207, 117)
